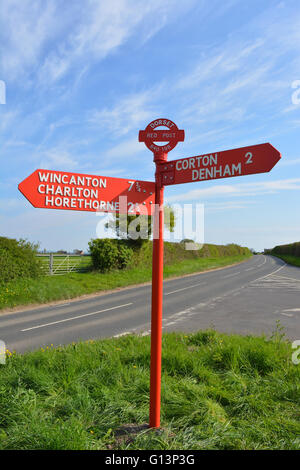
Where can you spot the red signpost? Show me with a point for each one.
(72, 191)
(149, 136)
(48, 189)
(242, 161)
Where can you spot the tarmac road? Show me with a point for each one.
(247, 298)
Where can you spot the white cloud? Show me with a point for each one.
(57, 156)
(240, 189)
(227, 205)
(7, 119)
(126, 148)
(289, 162)
(130, 112)
(25, 28)
(243, 77)
(56, 35)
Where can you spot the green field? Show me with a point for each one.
(218, 392)
(52, 288)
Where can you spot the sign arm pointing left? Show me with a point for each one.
(49, 189)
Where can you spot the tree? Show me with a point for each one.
(137, 229)
(77, 252)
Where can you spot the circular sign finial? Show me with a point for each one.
(151, 135)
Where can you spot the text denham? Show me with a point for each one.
(205, 167)
(83, 195)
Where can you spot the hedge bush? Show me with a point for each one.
(291, 249)
(108, 254)
(176, 252)
(18, 259)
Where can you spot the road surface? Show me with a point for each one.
(247, 298)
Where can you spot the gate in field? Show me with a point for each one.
(55, 264)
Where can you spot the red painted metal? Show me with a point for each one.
(49, 189)
(172, 135)
(157, 298)
(237, 162)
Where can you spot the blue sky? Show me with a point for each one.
(83, 77)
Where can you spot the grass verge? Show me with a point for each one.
(289, 259)
(218, 392)
(52, 288)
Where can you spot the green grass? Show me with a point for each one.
(52, 288)
(290, 259)
(218, 392)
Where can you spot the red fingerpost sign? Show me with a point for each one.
(72, 191)
(49, 189)
(237, 162)
(172, 135)
(242, 161)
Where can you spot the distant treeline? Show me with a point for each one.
(292, 249)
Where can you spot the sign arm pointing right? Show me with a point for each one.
(249, 160)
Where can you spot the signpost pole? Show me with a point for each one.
(157, 296)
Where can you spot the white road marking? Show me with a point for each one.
(61, 305)
(249, 269)
(264, 262)
(122, 334)
(286, 314)
(74, 318)
(230, 275)
(292, 310)
(270, 274)
(292, 278)
(146, 333)
(191, 310)
(185, 288)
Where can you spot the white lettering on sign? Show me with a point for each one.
(75, 203)
(162, 122)
(67, 191)
(168, 135)
(163, 148)
(217, 172)
(196, 162)
(59, 190)
(249, 157)
(73, 179)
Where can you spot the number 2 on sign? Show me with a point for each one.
(249, 157)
